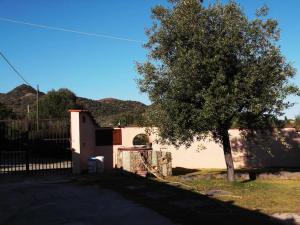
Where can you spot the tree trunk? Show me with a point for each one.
(228, 156)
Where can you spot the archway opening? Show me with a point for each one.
(140, 140)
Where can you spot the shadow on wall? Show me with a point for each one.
(107, 152)
(106, 140)
(75, 162)
(80, 162)
(265, 149)
(183, 206)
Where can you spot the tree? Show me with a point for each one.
(210, 66)
(297, 122)
(55, 104)
(5, 112)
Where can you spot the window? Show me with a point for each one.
(108, 136)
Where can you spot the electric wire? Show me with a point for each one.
(69, 30)
(13, 68)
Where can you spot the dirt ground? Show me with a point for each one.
(55, 200)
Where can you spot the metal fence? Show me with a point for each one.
(26, 148)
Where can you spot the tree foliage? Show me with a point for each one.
(55, 104)
(5, 112)
(140, 139)
(210, 66)
(114, 112)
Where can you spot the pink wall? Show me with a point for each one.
(87, 137)
(262, 150)
(82, 139)
(280, 149)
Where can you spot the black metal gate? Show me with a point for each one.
(26, 148)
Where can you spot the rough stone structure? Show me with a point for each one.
(144, 161)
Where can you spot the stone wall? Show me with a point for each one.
(144, 161)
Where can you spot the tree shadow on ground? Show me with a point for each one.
(253, 173)
(182, 206)
(182, 171)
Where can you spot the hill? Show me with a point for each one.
(18, 98)
(107, 111)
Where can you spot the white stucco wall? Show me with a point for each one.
(75, 142)
(192, 157)
(211, 156)
(82, 139)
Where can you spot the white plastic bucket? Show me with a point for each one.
(96, 164)
(99, 164)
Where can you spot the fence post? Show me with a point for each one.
(26, 143)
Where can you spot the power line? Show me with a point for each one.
(70, 30)
(37, 89)
(13, 68)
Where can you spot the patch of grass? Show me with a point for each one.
(269, 196)
(183, 171)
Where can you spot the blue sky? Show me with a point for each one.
(96, 67)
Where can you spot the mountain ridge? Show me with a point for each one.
(106, 111)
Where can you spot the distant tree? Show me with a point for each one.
(5, 112)
(128, 119)
(55, 104)
(210, 66)
(286, 121)
(297, 123)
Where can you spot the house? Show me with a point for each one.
(87, 140)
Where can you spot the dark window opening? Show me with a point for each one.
(106, 137)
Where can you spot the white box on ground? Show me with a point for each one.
(96, 164)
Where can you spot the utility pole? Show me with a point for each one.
(37, 108)
(28, 112)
